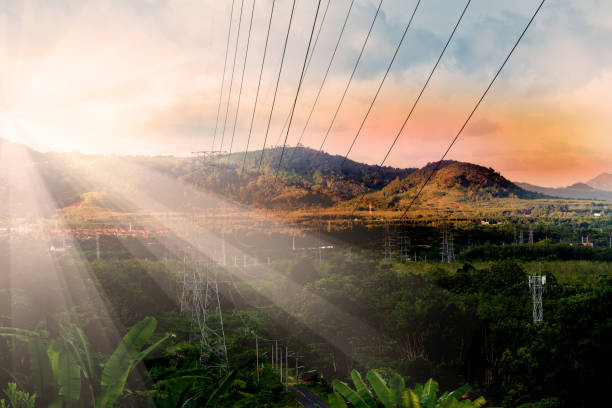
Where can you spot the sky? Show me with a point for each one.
(145, 77)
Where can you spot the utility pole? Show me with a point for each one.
(97, 246)
(223, 258)
(286, 365)
(257, 357)
(280, 361)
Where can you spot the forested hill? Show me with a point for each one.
(453, 182)
(306, 179)
(310, 166)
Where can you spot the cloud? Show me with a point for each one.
(144, 76)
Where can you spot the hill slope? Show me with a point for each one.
(454, 182)
(578, 190)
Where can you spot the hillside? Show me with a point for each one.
(306, 179)
(454, 182)
(81, 183)
(578, 190)
(601, 182)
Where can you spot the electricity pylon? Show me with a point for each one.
(201, 302)
(536, 284)
(448, 247)
(388, 244)
(404, 247)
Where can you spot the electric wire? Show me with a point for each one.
(229, 31)
(484, 94)
(263, 61)
(416, 101)
(316, 100)
(246, 56)
(297, 93)
(348, 84)
(280, 71)
(312, 50)
(229, 96)
(382, 82)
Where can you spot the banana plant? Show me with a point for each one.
(394, 394)
(58, 366)
(125, 358)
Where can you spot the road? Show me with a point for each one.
(307, 399)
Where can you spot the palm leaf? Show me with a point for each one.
(382, 391)
(125, 357)
(350, 395)
(40, 366)
(336, 401)
(223, 386)
(66, 372)
(362, 388)
(397, 387)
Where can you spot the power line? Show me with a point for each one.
(280, 70)
(246, 55)
(229, 31)
(324, 80)
(263, 61)
(384, 78)
(437, 166)
(298, 89)
(312, 50)
(348, 83)
(229, 96)
(416, 101)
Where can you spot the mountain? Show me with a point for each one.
(454, 182)
(601, 182)
(578, 190)
(84, 184)
(309, 166)
(306, 178)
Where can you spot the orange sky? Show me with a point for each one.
(144, 76)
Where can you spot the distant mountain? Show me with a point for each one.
(453, 182)
(578, 190)
(601, 182)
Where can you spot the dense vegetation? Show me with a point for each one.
(458, 323)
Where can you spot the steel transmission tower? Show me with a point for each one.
(200, 300)
(388, 244)
(404, 247)
(448, 247)
(536, 284)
